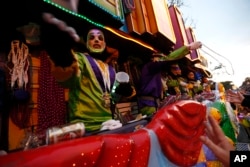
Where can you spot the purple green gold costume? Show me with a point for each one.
(86, 87)
(151, 85)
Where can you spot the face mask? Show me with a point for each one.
(95, 41)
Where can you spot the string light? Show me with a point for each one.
(107, 11)
(100, 25)
(73, 13)
(129, 38)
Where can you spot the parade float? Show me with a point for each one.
(168, 138)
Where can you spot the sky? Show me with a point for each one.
(224, 27)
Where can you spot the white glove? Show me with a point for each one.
(111, 124)
(195, 45)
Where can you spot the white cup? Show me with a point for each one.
(122, 77)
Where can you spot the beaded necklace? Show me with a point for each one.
(104, 69)
(18, 56)
(18, 67)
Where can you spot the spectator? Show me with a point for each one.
(216, 140)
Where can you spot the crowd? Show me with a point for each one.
(215, 139)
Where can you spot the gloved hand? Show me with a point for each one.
(111, 124)
(58, 39)
(195, 45)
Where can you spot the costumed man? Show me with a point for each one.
(194, 86)
(177, 84)
(174, 86)
(88, 76)
(182, 80)
(150, 89)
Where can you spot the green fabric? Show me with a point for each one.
(177, 54)
(85, 97)
(195, 90)
(173, 83)
(198, 89)
(225, 123)
(147, 110)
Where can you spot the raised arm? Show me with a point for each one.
(58, 39)
(217, 141)
(182, 52)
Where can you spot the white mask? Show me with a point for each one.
(95, 41)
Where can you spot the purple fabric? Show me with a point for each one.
(150, 84)
(21, 95)
(99, 74)
(143, 103)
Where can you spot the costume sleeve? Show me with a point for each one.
(64, 73)
(172, 83)
(177, 54)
